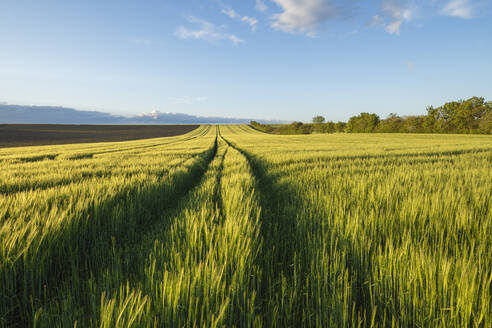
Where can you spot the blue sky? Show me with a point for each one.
(270, 59)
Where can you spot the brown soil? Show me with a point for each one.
(14, 135)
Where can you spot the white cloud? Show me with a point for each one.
(153, 114)
(376, 20)
(303, 15)
(458, 8)
(394, 27)
(261, 6)
(399, 12)
(251, 21)
(205, 31)
(231, 13)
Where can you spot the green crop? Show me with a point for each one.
(227, 226)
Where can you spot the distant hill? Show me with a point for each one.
(18, 114)
(15, 114)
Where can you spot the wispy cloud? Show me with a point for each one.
(204, 30)
(399, 11)
(376, 20)
(303, 15)
(246, 19)
(458, 8)
(261, 6)
(395, 13)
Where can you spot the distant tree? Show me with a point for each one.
(296, 125)
(306, 129)
(462, 116)
(292, 128)
(485, 125)
(431, 120)
(318, 119)
(340, 126)
(330, 127)
(258, 126)
(413, 124)
(262, 127)
(469, 113)
(362, 123)
(473, 115)
(393, 123)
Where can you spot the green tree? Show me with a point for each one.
(328, 127)
(413, 124)
(462, 116)
(318, 119)
(431, 120)
(363, 123)
(292, 128)
(340, 126)
(485, 124)
(393, 123)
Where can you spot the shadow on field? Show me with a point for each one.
(10, 189)
(82, 249)
(390, 156)
(38, 158)
(291, 276)
(277, 304)
(217, 198)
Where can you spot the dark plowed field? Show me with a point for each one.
(14, 135)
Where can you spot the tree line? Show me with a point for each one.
(471, 116)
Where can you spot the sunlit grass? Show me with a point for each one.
(227, 226)
(375, 229)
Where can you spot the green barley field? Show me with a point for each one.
(226, 226)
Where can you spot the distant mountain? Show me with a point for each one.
(17, 114)
(156, 117)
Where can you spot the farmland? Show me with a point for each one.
(15, 135)
(228, 226)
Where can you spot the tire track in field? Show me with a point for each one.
(218, 187)
(131, 267)
(276, 259)
(285, 299)
(90, 153)
(284, 296)
(188, 138)
(182, 204)
(246, 309)
(11, 190)
(88, 244)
